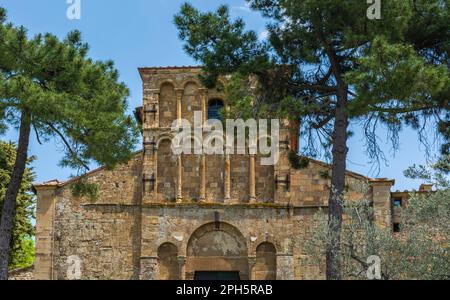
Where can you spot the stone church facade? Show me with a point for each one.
(166, 216)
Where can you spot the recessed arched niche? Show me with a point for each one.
(215, 168)
(167, 171)
(191, 101)
(167, 105)
(266, 262)
(240, 167)
(168, 262)
(191, 174)
(265, 180)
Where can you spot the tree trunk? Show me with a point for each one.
(340, 135)
(9, 205)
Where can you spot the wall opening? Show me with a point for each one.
(215, 107)
(168, 262)
(266, 262)
(218, 248)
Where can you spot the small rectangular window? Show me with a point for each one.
(396, 227)
(397, 202)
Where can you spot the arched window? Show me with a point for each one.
(215, 107)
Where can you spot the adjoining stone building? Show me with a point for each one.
(163, 216)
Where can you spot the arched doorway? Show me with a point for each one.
(217, 251)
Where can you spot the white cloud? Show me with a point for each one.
(263, 35)
(245, 7)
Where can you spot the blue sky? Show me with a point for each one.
(138, 33)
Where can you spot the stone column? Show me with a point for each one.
(227, 179)
(251, 265)
(252, 179)
(203, 178)
(179, 93)
(182, 267)
(203, 97)
(381, 197)
(179, 179)
(45, 213)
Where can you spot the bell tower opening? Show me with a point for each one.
(215, 107)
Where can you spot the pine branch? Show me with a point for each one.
(66, 143)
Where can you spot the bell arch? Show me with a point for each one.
(191, 101)
(167, 104)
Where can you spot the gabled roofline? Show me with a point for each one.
(58, 184)
(347, 172)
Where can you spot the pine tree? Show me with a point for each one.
(22, 244)
(327, 63)
(53, 88)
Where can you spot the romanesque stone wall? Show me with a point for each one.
(239, 178)
(167, 105)
(266, 262)
(305, 267)
(191, 177)
(190, 101)
(233, 179)
(105, 239)
(104, 234)
(215, 167)
(164, 216)
(168, 265)
(122, 185)
(167, 172)
(281, 227)
(311, 186)
(265, 182)
(114, 235)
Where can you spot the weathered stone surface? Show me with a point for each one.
(140, 228)
(22, 274)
